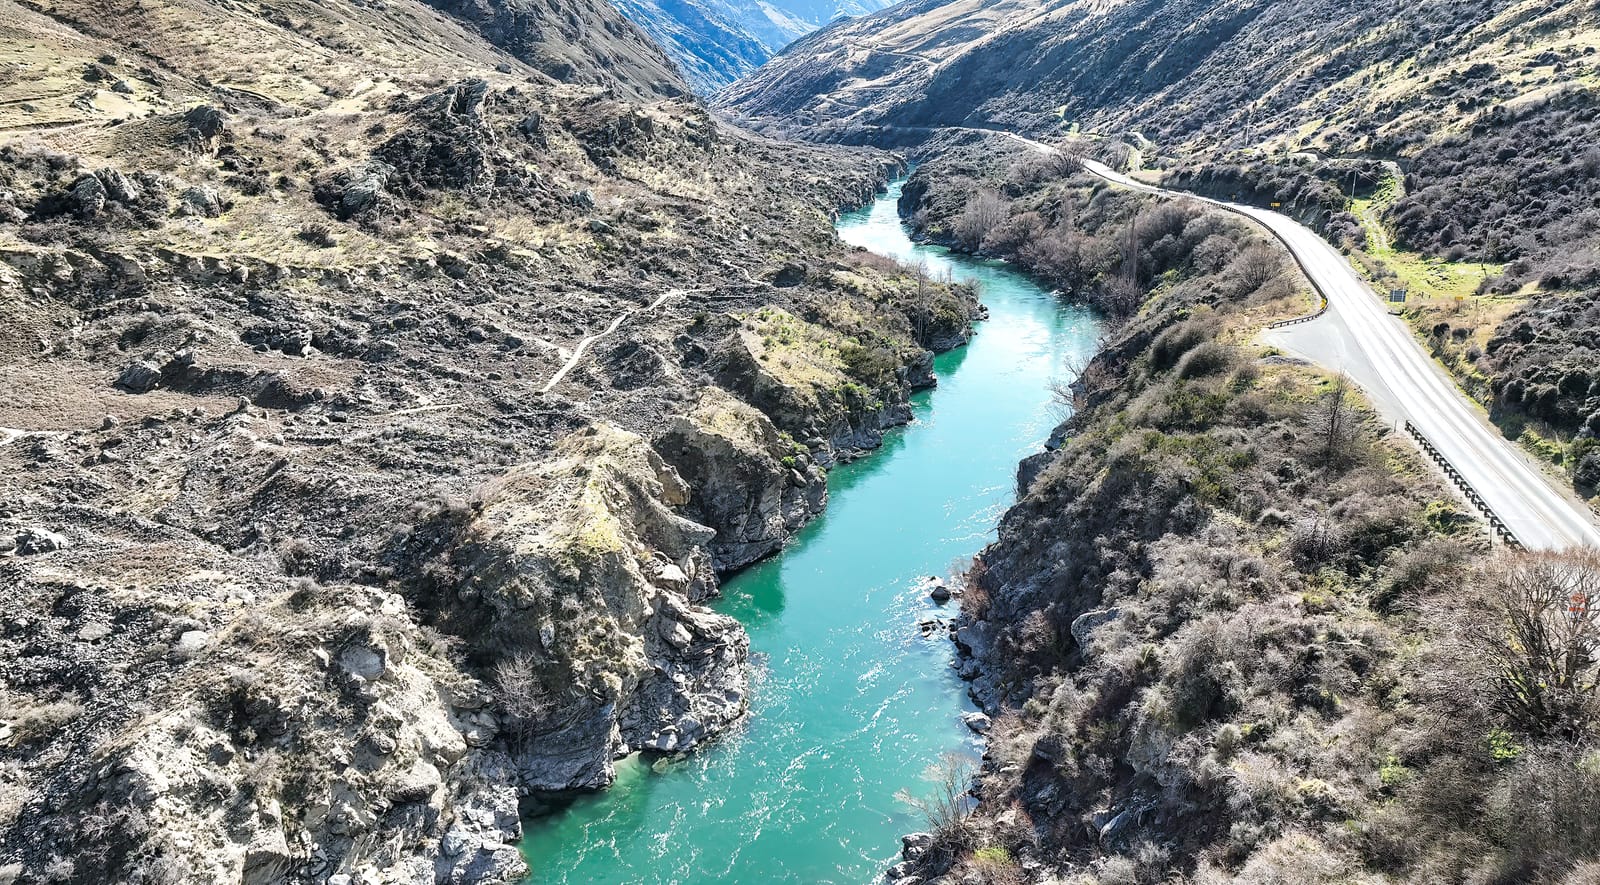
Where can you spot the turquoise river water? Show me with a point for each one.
(850, 708)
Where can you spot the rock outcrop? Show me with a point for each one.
(755, 485)
(579, 573)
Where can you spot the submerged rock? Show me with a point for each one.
(978, 722)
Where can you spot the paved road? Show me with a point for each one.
(1382, 356)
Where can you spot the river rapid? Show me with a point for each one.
(851, 708)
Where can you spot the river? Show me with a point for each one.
(851, 708)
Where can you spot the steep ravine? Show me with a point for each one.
(853, 700)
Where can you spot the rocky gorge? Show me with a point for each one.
(310, 578)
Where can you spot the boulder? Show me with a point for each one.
(978, 722)
(87, 197)
(141, 376)
(203, 128)
(118, 186)
(191, 643)
(1085, 624)
(364, 190)
(200, 200)
(914, 845)
(33, 539)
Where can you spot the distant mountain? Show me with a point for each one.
(716, 42)
(1363, 76)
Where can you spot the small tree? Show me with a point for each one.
(520, 691)
(1532, 626)
(948, 810)
(984, 212)
(1332, 422)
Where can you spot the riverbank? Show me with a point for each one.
(1234, 629)
(851, 705)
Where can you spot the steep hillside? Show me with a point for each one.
(379, 414)
(1294, 73)
(1233, 630)
(718, 41)
(1445, 145)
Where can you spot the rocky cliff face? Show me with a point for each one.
(337, 465)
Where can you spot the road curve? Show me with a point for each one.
(1538, 514)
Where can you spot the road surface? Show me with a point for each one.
(1380, 354)
(1358, 336)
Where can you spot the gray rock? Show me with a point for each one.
(978, 722)
(191, 643)
(33, 539)
(118, 186)
(94, 632)
(914, 845)
(415, 784)
(200, 200)
(140, 377)
(938, 591)
(206, 120)
(734, 456)
(364, 661)
(899, 872)
(87, 198)
(1085, 624)
(698, 684)
(365, 190)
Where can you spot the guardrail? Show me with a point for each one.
(1496, 524)
(1303, 318)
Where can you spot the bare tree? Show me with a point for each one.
(1532, 625)
(1333, 423)
(520, 691)
(984, 212)
(948, 810)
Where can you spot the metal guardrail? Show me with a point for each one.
(1496, 524)
(1304, 318)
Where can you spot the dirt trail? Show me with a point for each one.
(583, 346)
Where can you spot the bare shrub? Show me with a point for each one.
(1119, 298)
(1256, 266)
(1317, 541)
(1532, 628)
(984, 212)
(520, 691)
(1209, 358)
(317, 233)
(1065, 256)
(948, 810)
(35, 722)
